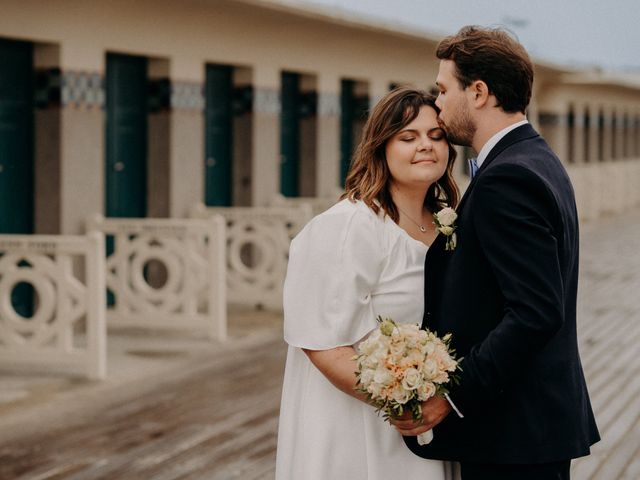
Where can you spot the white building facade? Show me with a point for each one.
(143, 109)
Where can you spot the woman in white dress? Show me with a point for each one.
(362, 258)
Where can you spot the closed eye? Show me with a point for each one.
(437, 134)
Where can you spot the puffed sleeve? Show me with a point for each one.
(334, 265)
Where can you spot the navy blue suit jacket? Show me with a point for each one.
(507, 293)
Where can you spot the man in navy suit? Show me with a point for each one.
(507, 292)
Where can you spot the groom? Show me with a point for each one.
(507, 292)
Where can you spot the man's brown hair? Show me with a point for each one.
(493, 56)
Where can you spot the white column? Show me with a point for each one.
(553, 126)
(378, 88)
(82, 131)
(186, 158)
(265, 167)
(328, 136)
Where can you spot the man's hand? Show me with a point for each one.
(434, 411)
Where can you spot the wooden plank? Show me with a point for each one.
(621, 456)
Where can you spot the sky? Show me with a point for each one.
(581, 33)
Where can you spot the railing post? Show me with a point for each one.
(218, 276)
(96, 304)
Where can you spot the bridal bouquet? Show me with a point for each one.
(399, 366)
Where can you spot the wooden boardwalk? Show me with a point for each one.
(214, 417)
(609, 335)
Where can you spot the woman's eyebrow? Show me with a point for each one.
(413, 130)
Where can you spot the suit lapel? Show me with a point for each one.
(436, 246)
(523, 132)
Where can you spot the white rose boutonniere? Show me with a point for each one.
(445, 221)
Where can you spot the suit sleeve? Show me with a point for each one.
(514, 214)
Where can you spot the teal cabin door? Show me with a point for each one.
(17, 153)
(126, 141)
(16, 137)
(218, 135)
(290, 135)
(126, 136)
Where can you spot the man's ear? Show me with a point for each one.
(479, 92)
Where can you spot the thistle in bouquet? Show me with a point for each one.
(399, 366)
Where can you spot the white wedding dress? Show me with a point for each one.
(346, 267)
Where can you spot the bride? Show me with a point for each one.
(362, 258)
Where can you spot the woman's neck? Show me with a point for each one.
(411, 202)
(413, 216)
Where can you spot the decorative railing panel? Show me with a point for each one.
(166, 273)
(258, 241)
(66, 322)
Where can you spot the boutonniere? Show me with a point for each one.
(445, 221)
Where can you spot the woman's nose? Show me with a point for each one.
(425, 144)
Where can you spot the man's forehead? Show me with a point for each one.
(446, 74)
(446, 67)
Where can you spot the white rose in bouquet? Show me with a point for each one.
(426, 391)
(412, 379)
(430, 368)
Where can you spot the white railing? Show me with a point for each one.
(317, 204)
(166, 273)
(605, 188)
(67, 327)
(258, 241)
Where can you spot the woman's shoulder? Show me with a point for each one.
(349, 208)
(346, 213)
(345, 219)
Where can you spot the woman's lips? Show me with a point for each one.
(424, 160)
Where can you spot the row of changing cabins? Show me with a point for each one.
(58, 293)
(140, 110)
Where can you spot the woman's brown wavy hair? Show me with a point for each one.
(369, 178)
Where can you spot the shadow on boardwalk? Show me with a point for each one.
(180, 408)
